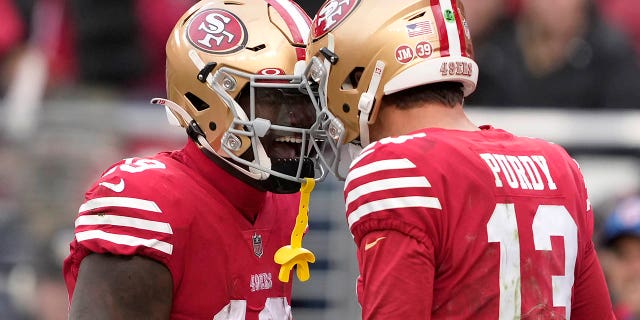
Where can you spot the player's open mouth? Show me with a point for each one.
(285, 147)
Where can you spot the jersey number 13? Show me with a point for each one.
(548, 221)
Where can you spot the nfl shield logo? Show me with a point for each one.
(257, 245)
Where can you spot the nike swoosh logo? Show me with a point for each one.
(372, 244)
(115, 187)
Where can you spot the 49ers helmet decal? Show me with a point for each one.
(217, 31)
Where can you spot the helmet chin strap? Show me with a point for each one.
(262, 158)
(348, 152)
(366, 101)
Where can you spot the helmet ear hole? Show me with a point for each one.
(353, 79)
(197, 103)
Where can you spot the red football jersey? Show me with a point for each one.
(184, 211)
(473, 225)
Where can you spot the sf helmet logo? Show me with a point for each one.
(217, 31)
(331, 14)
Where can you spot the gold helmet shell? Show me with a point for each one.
(216, 50)
(360, 50)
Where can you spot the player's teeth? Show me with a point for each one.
(289, 139)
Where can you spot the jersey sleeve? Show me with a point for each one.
(394, 265)
(589, 289)
(393, 213)
(123, 214)
(387, 191)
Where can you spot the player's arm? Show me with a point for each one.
(121, 287)
(591, 296)
(396, 276)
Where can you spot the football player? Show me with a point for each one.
(192, 233)
(451, 220)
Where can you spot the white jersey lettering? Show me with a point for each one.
(519, 172)
(542, 162)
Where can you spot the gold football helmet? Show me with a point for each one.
(361, 50)
(234, 76)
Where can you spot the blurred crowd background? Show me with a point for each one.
(76, 77)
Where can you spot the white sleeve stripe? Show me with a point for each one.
(362, 155)
(125, 240)
(137, 223)
(392, 203)
(377, 166)
(387, 184)
(132, 203)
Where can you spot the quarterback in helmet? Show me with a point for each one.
(451, 220)
(191, 234)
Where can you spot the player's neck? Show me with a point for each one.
(394, 122)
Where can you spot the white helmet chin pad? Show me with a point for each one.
(263, 161)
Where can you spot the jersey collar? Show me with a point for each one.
(245, 198)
